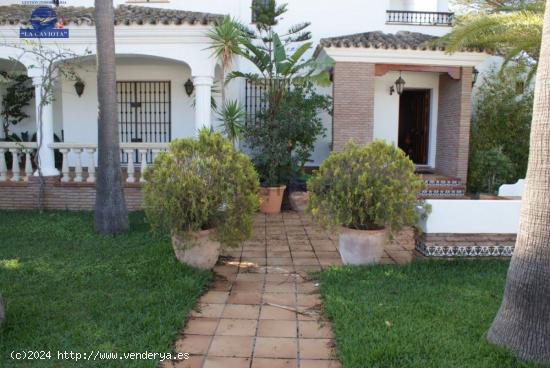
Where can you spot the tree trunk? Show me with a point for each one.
(111, 215)
(523, 321)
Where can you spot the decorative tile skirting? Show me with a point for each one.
(466, 245)
(435, 193)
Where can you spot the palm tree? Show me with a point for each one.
(110, 215)
(512, 30)
(522, 323)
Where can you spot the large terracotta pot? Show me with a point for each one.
(298, 201)
(271, 199)
(362, 247)
(199, 250)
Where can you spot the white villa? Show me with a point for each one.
(161, 45)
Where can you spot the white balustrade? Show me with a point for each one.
(18, 151)
(72, 159)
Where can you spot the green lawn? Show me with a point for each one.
(69, 289)
(427, 314)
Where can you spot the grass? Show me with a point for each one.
(69, 289)
(427, 314)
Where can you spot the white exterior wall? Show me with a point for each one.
(455, 216)
(386, 107)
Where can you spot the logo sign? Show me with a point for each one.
(44, 24)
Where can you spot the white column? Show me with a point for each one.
(203, 96)
(46, 156)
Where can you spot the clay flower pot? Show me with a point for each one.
(200, 250)
(271, 199)
(298, 201)
(362, 247)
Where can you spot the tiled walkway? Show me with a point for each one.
(263, 309)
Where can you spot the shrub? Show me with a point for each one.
(490, 169)
(365, 187)
(202, 184)
(282, 143)
(502, 121)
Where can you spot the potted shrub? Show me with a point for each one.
(371, 190)
(205, 193)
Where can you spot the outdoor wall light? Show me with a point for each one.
(79, 87)
(189, 87)
(399, 86)
(475, 73)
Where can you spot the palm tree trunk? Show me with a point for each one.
(111, 215)
(523, 321)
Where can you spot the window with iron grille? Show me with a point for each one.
(256, 96)
(144, 113)
(255, 3)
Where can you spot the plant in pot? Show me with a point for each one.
(371, 190)
(205, 193)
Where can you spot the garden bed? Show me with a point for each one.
(426, 314)
(69, 289)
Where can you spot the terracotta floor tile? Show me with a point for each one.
(208, 310)
(269, 347)
(245, 276)
(330, 262)
(281, 269)
(225, 270)
(308, 268)
(314, 330)
(288, 299)
(241, 311)
(237, 327)
(269, 312)
(194, 361)
(278, 253)
(329, 255)
(308, 300)
(193, 344)
(310, 363)
(277, 328)
(273, 363)
(201, 326)
(273, 278)
(221, 285)
(242, 297)
(303, 254)
(285, 287)
(306, 261)
(253, 253)
(216, 297)
(307, 287)
(248, 286)
(279, 261)
(231, 346)
(316, 349)
(225, 362)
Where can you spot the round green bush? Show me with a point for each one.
(365, 187)
(202, 184)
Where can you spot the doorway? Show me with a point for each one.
(414, 124)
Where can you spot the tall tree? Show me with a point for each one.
(523, 320)
(111, 215)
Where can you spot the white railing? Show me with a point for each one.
(84, 170)
(21, 163)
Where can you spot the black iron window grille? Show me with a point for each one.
(256, 95)
(144, 114)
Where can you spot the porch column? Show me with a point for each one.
(46, 155)
(203, 96)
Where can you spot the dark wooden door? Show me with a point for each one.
(414, 124)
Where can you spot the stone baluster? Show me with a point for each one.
(143, 155)
(15, 169)
(65, 165)
(78, 165)
(3, 167)
(131, 168)
(91, 166)
(28, 165)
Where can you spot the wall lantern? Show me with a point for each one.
(475, 73)
(189, 87)
(79, 87)
(399, 86)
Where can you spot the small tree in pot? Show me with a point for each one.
(370, 190)
(205, 193)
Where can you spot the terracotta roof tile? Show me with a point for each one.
(124, 15)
